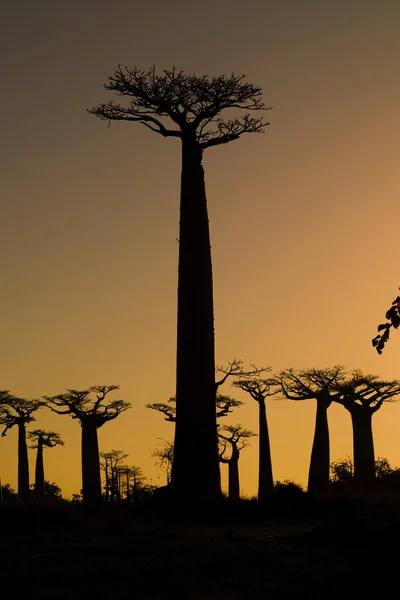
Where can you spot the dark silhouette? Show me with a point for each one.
(259, 389)
(42, 439)
(393, 316)
(235, 436)
(17, 411)
(110, 463)
(224, 405)
(342, 472)
(315, 384)
(362, 395)
(164, 453)
(92, 409)
(192, 106)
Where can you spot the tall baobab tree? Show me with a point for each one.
(236, 437)
(189, 108)
(315, 384)
(18, 411)
(259, 389)
(42, 439)
(363, 395)
(92, 408)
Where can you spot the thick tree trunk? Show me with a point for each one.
(91, 478)
(233, 475)
(363, 445)
(23, 464)
(318, 476)
(265, 477)
(39, 472)
(195, 470)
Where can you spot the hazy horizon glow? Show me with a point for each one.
(304, 218)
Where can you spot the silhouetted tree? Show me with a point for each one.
(92, 408)
(224, 405)
(362, 395)
(315, 384)
(192, 106)
(110, 463)
(17, 411)
(259, 389)
(393, 316)
(164, 453)
(342, 471)
(7, 493)
(236, 437)
(42, 439)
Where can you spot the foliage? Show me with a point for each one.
(393, 316)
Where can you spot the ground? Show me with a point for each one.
(318, 551)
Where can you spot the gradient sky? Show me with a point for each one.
(304, 218)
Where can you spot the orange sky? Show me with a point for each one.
(304, 218)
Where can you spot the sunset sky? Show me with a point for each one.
(304, 218)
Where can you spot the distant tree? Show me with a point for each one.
(7, 494)
(53, 492)
(393, 318)
(92, 408)
(224, 405)
(42, 439)
(342, 471)
(17, 411)
(260, 388)
(110, 463)
(132, 481)
(315, 384)
(164, 453)
(362, 395)
(232, 440)
(192, 106)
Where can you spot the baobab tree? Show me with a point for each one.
(189, 108)
(42, 439)
(110, 463)
(92, 408)
(315, 384)
(259, 389)
(224, 406)
(234, 437)
(363, 395)
(393, 318)
(18, 411)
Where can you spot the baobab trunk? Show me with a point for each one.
(363, 445)
(91, 479)
(265, 477)
(39, 472)
(23, 464)
(195, 470)
(318, 476)
(233, 476)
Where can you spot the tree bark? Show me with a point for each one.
(233, 475)
(39, 472)
(363, 445)
(91, 478)
(318, 475)
(195, 470)
(23, 464)
(265, 477)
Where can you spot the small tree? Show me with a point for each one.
(224, 405)
(42, 439)
(110, 463)
(259, 389)
(92, 408)
(188, 108)
(363, 395)
(233, 438)
(164, 453)
(315, 384)
(17, 411)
